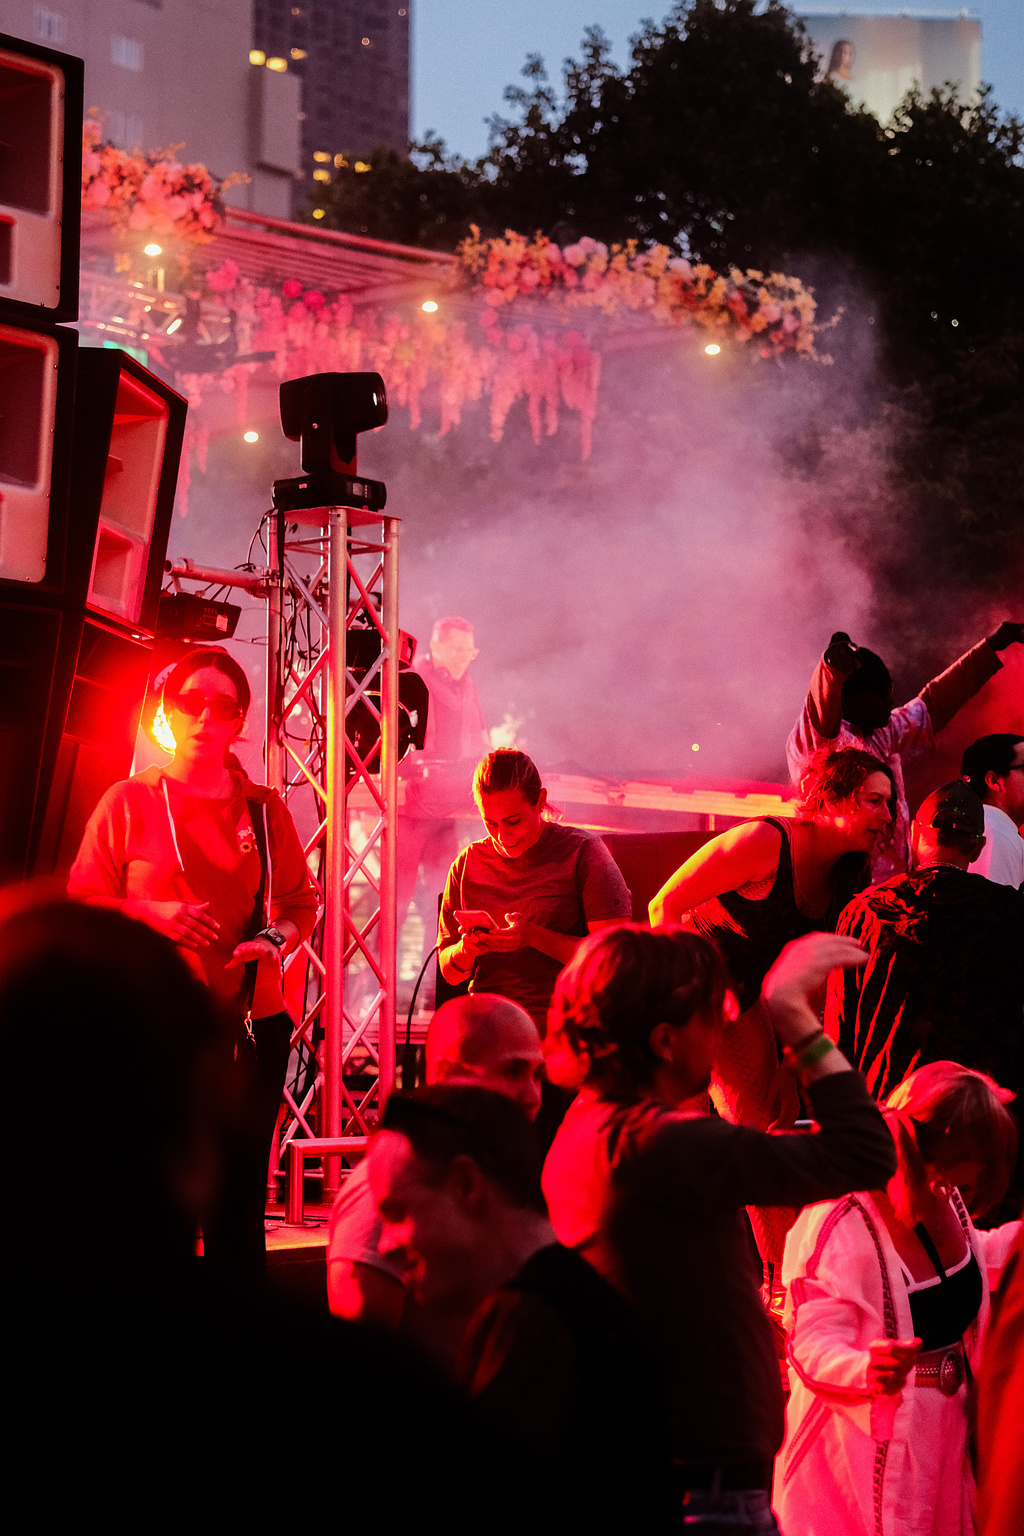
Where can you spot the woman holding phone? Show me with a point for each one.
(517, 903)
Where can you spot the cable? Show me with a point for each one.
(408, 1055)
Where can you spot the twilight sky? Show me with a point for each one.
(466, 51)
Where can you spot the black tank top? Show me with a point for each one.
(752, 934)
(943, 1313)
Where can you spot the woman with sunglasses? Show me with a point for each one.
(210, 859)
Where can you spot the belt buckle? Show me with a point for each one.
(951, 1373)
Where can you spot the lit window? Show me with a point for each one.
(257, 56)
(49, 27)
(321, 175)
(278, 65)
(126, 52)
(321, 157)
(340, 160)
(298, 53)
(362, 165)
(318, 213)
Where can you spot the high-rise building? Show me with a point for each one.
(875, 55)
(179, 72)
(352, 57)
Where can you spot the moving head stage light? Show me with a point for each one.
(326, 412)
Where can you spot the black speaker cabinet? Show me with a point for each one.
(129, 427)
(37, 391)
(40, 180)
(79, 589)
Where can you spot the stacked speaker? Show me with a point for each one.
(89, 450)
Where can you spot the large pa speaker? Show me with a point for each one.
(129, 427)
(75, 645)
(41, 105)
(37, 393)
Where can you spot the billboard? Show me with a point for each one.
(877, 58)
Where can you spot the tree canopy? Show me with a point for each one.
(721, 141)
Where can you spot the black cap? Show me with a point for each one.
(956, 807)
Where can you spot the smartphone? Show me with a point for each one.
(475, 922)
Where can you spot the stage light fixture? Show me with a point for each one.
(326, 412)
(712, 349)
(250, 437)
(429, 307)
(152, 249)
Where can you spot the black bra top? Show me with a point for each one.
(943, 1313)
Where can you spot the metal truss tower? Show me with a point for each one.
(332, 753)
(333, 604)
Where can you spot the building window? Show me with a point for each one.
(126, 52)
(49, 27)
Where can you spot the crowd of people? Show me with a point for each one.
(761, 1271)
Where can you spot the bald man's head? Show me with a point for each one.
(491, 1041)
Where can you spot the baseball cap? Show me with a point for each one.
(955, 806)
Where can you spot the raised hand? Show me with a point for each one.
(841, 654)
(794, 988)
(1008, 633)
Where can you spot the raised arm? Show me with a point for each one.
(949, 692)
(822, 714)
(738, 857)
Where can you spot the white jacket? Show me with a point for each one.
(853, 1464)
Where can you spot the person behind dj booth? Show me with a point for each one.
(438, 781)
(850, 704)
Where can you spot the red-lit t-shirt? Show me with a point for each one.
(128, 852)
(567, 880)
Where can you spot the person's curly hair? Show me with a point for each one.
(619, 985)
(832, 776)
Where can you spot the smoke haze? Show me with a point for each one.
(674, 590)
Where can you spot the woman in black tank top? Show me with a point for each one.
(752, 891)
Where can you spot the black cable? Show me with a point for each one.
(408, 1055)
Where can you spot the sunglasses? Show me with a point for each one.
(194, 703)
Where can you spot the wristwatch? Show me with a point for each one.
(273, 936)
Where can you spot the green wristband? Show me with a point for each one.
(813, 1053)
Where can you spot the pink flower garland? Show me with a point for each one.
(541, 292)
(151, 191)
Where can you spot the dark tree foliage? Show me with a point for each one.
(721, 141)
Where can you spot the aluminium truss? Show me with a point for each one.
(337, 572)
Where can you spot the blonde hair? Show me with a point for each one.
(943, 1114)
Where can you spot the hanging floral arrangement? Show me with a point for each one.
(150, 191)
(623, 281)
(522, 319)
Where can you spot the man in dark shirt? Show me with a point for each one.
(552, 1352)
(945, 977)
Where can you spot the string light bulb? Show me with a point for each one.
(712, 349)
(429, 307)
